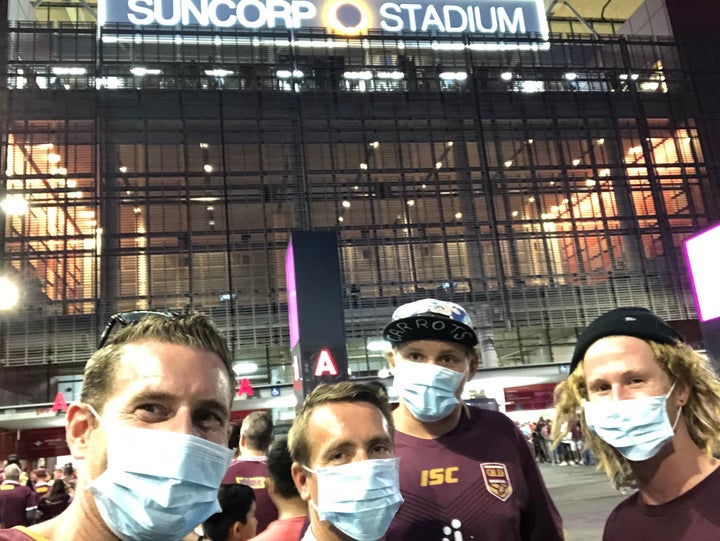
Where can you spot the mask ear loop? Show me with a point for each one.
(95, 413)
(680, 407)
(677, 417)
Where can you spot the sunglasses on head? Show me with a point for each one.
(123, 319)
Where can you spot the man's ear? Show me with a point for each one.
(300, 478)
(270, 487)
(391, 359)
(474, 364)
(682, 393)
(236, 530)
(242, 442)
(80, 425)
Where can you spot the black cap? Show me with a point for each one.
(431, 319)
(626, 321)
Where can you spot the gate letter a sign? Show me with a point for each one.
(325, 364)
(60, 404)
(245, 388)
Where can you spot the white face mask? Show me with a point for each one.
(638, 428)
(359, 498)
(158, 484)
(426, 389)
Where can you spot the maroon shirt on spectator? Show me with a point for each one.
(14, 499)
(252, 471)
(693, 516)
(479, 481)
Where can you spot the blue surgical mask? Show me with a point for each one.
(426, 389)
(359, 498)
(158, 484)
(638, 428)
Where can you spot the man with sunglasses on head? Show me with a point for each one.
(465, 473)
(650, 411)
(150, 432)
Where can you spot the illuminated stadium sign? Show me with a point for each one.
(502, 18)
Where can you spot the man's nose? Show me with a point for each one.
(617, 393)
(361, 454)
(182, 423)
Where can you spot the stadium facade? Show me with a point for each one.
(539, 173)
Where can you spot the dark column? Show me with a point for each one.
(110, 179)
(696, 25)
(315, 311)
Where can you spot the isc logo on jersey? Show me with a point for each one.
(438, 476)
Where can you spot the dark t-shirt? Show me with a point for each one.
(51, 509)
(479, 482)
(693, 516)
(253, 473)
(14, 499)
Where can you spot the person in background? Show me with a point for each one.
(234, 440)
(236, 521)
(24, 477)
(256, 435)
(465, 472)
(292, 510)
(15, 499)
(341, 443)
(42, 482)
(69, 477)
(55, 502)
(649, 407)
(149, 433)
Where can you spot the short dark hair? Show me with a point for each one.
(258, 430)
(345, 391)
(236, 501)
(194, 330)
(279, 467)
(57, 490)
(234, 438)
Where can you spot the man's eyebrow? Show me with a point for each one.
(335, 447)
(383, 439)
(162, 396)
(158, 396)
(451, 351)
(216, 405)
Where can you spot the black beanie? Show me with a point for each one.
(626, 321)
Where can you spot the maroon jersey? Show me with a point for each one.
(693, 516)
(14, 499)
(19, 534)
(479, 481)
(252, 471)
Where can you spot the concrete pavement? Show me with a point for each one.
(584, 498)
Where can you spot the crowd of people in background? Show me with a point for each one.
(571, 451)
(29, 496)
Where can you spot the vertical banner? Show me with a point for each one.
(703, 260)
(315, 311)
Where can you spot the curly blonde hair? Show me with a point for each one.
(701, 413)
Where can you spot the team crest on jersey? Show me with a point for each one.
(497, 480)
